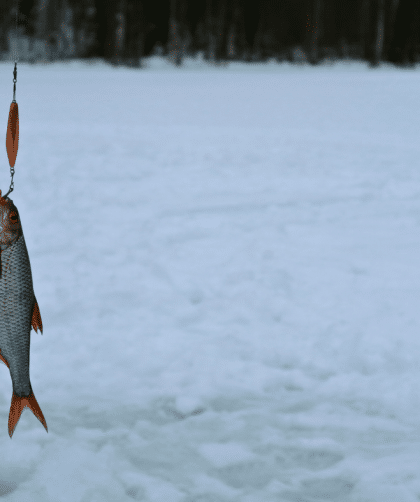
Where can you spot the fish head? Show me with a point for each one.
(10, 227)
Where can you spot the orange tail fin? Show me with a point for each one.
(16, 408)
(36, 318)
(12, 136)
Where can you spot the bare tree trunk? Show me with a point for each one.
(315, 32)
(232, 31)
(67, 30)
(259, 34)
(176, 42)
(391, 11)
(379, 39)
(364, 27)
(241, 44)
(134, 33)
(175, 49)
(50, 28)
(210, 52)
(220, 35)
(106, 28)
(120, 35)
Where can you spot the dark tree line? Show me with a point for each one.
(124, 31)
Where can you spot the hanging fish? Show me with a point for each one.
(18, 312)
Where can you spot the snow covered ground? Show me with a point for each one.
(226, 262)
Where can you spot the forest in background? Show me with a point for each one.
(123, 32)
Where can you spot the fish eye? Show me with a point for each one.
(13, 217)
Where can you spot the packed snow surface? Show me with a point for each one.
(226, 262)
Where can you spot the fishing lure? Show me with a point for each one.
(19, 309)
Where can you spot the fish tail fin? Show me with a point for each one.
(16, 408)
(36, 318)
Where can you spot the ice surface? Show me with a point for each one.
(226, 264)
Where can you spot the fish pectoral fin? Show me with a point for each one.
(16, 408)
(36, 318)
(4, 360)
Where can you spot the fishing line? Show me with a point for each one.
(18, 315)
(12, 135)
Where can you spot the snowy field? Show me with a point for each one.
(226, 262)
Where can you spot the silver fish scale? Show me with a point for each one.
(17, 301)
